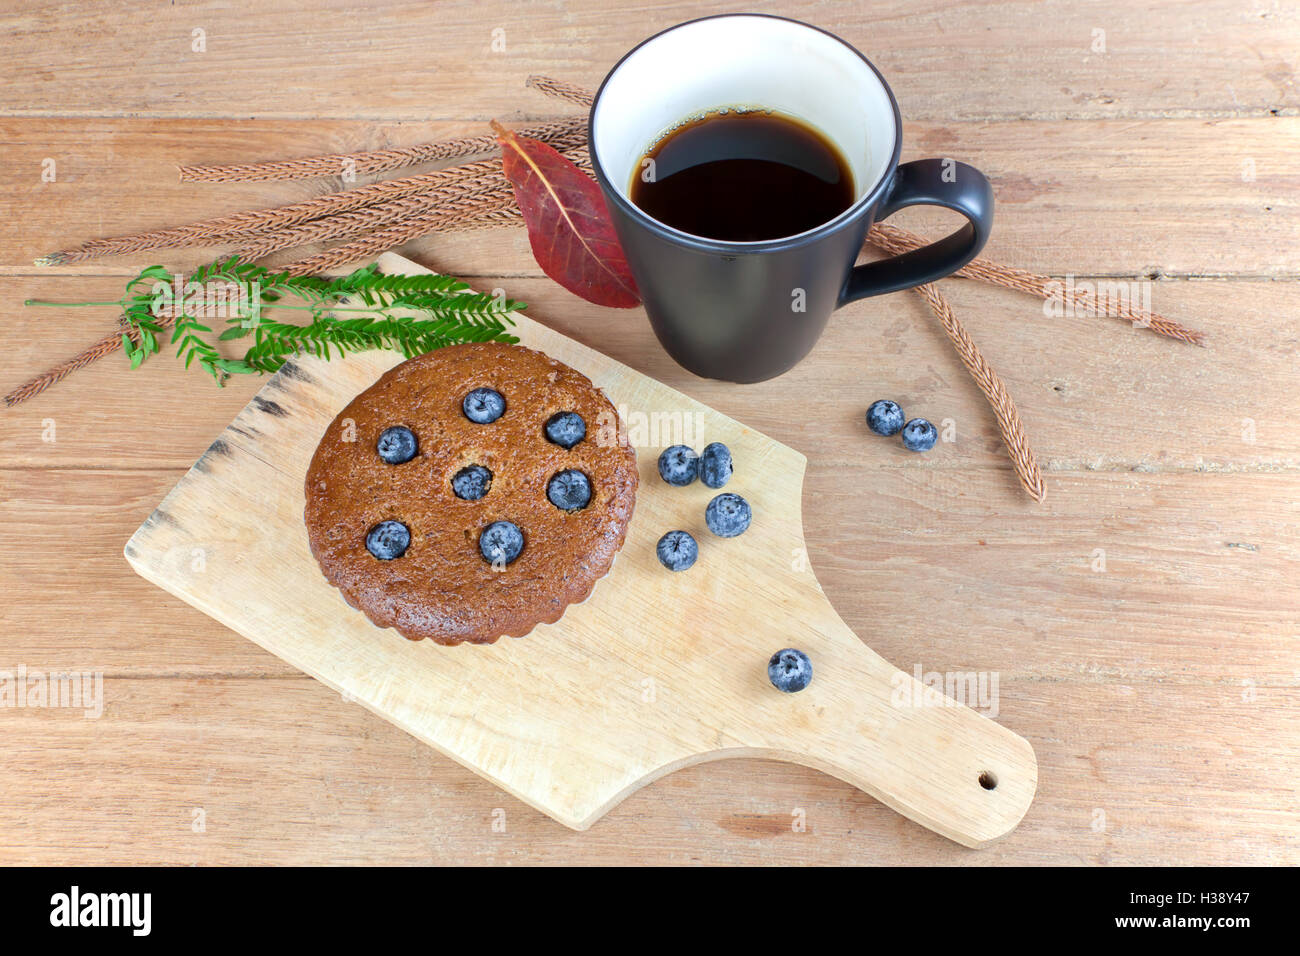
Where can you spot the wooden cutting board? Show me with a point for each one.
(655, 671)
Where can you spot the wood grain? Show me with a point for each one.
(1160, 695)
(946, 61)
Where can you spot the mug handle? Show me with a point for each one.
(928, 182)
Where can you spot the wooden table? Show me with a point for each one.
(1142, 623)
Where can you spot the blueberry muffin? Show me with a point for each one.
(470, 493)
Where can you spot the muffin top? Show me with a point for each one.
(472, 492)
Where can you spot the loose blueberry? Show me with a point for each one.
(388, 540)
(501, 541)
(919, 435)
(396, 445)
(679, 465)
(885, 417)
(677, 550)
(471, 483)
(569, 490)
(715, 465)
(789, 670)
(483, 406)
(566, 429)
(728, 515)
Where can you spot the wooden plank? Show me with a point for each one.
(1133, 771)
(1103, 197)
(1121, 576)
(969, 60)
(1095, 394)
(892, 541)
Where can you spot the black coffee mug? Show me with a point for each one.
(748, 311)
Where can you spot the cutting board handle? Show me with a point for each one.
(905, 742)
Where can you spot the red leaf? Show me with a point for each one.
(569, 226)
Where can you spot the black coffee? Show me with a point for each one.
(743, 177)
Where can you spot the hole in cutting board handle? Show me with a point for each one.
(988, 780)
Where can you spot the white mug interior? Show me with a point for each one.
(745, 61)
